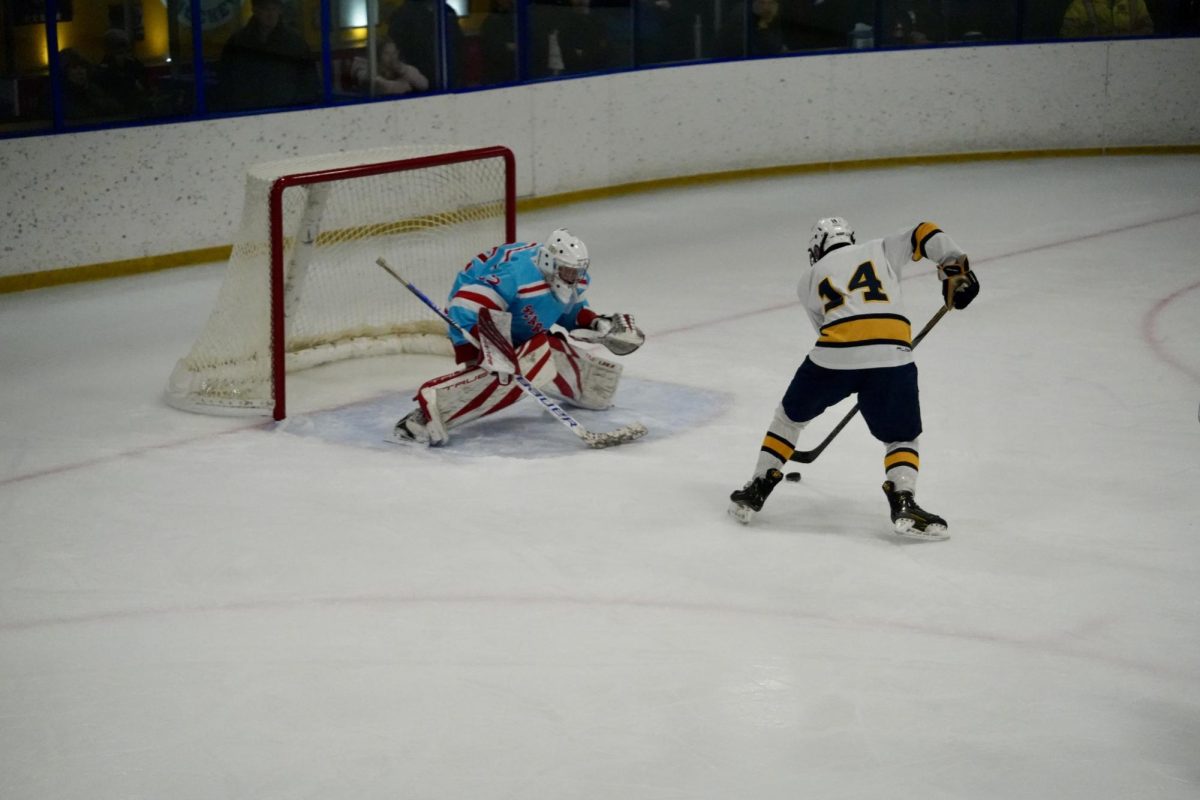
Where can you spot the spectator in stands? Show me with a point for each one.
(83, 97)
(912, 22)
(498, 43)
(1106, 18)
(122, 75)
(582, 39)
(392, 74)
(266, 64)
(413, 27)
(766, 31)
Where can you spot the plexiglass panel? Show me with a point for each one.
(25, 96)
(265, 54)
(110, 62)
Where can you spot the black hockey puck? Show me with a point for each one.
(794, 477)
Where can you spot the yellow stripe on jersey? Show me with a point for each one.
(920, 235)
(778, 446)
(902, 457)
(866, 329)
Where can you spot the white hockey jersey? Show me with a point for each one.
(855, 302)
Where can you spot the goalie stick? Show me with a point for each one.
(626, 433)
(809, 456)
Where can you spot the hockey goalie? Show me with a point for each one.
(520, 309)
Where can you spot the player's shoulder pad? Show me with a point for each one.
(920, 236)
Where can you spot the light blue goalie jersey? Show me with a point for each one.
(507, 279)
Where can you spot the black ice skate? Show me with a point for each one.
(909, 519)
(748, 501)
(411, 429)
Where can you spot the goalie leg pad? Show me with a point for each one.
(582, 379)
(461, 397)
(598, 379)
(536, 361)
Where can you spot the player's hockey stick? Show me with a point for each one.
(809, 456)
(627, 433)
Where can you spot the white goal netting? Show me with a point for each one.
(322, 298)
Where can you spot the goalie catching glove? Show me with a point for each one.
(618, 332)
(959, 284)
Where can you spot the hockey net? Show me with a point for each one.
(301, 288)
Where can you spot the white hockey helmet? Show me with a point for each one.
(827, 234)
(563, 261)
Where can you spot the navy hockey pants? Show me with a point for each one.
(887, 397)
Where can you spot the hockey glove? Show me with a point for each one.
(619, 333)
(959, 284)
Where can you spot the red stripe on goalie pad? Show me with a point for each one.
(473, 393)
(568, 376)
(563, 387)
(530, 349)
(464, 396)
(571, 358)
(488, 402)
(534, 372)
(476, 402)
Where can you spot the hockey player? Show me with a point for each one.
(852, 295)
(521, 290)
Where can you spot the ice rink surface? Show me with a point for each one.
(202, 608)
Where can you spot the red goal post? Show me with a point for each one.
(301, 288)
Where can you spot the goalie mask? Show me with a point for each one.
(563, 261)
(827, 234)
